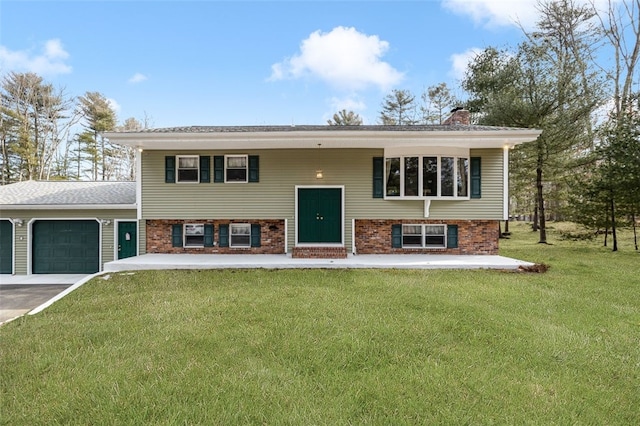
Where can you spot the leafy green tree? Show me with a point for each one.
(543, 84)
(345, 118)
(398, 108)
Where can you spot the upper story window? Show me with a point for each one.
(188, 168)
(236, 168)
(420, 176)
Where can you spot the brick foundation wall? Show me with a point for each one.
(373, 236)
(159, 237)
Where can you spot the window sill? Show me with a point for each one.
(392, 198)
(423, 248)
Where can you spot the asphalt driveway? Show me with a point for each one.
(18, 299)
(20, 294)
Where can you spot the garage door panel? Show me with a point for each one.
(66, 246)
(6, 247)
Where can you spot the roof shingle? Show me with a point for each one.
(65, 193)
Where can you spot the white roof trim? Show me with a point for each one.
(182, 141)
(68, 206)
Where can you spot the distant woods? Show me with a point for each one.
(47, 134)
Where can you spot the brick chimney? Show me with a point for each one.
(459, 117)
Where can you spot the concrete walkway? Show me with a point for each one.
(285, 261)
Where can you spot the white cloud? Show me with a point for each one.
(50, 61)
(505, 13)
(115, 105)
(343, 58)
(495, 13)
(137, 78)
(460, 62)
(350, 103)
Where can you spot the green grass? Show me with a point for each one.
(338, 346)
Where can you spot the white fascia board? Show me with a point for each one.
(68, 207)
(183, 141)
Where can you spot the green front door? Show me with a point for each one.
(320, 215)
(127, 239)
(6, 247)
(66, 247)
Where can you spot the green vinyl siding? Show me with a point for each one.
(273, 197)
(490, 205)
(107, 250)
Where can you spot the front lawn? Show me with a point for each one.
(338, 346)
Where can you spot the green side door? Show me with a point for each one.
(66, 247)
(6, 247)
(127, 239)
(320, 215)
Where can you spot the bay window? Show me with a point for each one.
(435, 176)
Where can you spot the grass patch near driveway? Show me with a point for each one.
(337, 346)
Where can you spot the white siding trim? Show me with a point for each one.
(353, 236)
(139, 182)
(286, 235)
(505, 190)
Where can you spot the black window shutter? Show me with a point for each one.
(255, 235)
(170, 169)
(452, 236)
(176, 235)
(208, 235)
(476, 173)
(218, 168)
(254, 165)
(378, 177)
(396, 236)
(224, 236)
(205, 167)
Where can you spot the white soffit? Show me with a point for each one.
(322, 139)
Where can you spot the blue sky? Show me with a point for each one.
(251, 62)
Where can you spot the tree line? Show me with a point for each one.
(46, 134)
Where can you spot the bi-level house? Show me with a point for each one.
(323, 191)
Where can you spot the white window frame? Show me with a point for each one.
(423, 236)
(442, 152)
(232, 234)
(185, 234)
(246, 167)
(178, 168)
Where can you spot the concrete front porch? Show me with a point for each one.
(285, 261)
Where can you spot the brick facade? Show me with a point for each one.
(373, 236)
(272, 234)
